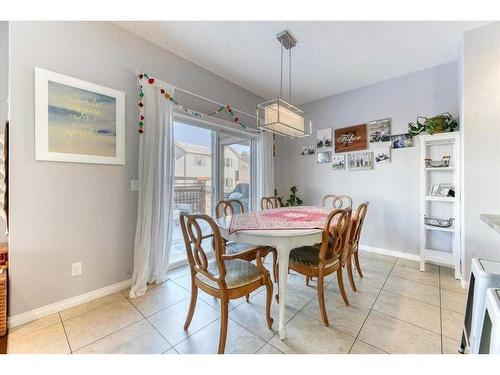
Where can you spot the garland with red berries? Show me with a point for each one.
(151, 81)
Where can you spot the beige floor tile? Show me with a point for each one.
(91, 305)
(170, 321)
(137, 338)
(449, 282)
(34, 326)
(361, 347)
(409, 310)
(364, 296)
(252, 316)
(452, 324)
(378, 257)
(348, 319)
(298, 295)
(309, 336)
(398, 337)
(453, 301)
(450, 346)
(49, 340)
(375, 265)
(413, 264)
(179, 272)
(93, 325)
(407, 273)
(206, 341)
(160, 297)
(371, 277)
(412, 289)
(268, 349)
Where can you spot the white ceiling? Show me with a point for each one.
(330, 57)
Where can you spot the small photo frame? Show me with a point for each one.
(360, 161)
(444, 190)
(338, 162)
(402, 140)
(434, 190)
(324, 138)
(307, 150)
(324, 157)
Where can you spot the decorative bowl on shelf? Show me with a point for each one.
(443, 163)
(436, 222)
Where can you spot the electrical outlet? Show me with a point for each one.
(76, 269)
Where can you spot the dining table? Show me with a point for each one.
(282, 228)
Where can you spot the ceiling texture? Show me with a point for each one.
(330, 56)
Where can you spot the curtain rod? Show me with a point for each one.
(198, 96)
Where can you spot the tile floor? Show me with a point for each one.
(397, 309)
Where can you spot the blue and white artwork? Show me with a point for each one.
(81, 121)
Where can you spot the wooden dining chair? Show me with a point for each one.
(353, 244)
(228, 207)
(321, 260)
(227, 277)
(266, 203)
(337, 201)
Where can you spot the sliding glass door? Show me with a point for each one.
(210, 164)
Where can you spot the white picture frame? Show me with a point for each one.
(108, 145)
(360, 161)
(324, 138)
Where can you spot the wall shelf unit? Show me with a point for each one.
(448, 252)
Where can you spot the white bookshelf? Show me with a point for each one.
(434, 147)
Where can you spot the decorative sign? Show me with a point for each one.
(78, 121)
(352, 138)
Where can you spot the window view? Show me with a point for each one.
(193, 179)
(236, 172)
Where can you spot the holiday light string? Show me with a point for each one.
(223, 108)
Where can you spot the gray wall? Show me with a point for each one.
(392, 189)
(4, 95)
(67, 212)
(480, 101)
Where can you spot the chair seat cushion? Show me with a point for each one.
(238, 273)
(309, 256)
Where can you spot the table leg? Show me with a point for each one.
(283, 248)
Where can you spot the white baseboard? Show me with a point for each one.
(53, 308)
(392, 253)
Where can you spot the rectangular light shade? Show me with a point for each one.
(282, 118)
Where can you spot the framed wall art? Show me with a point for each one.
(338, 162)
(360, 161)
(78, 121)
(324, 157)
(324, 138)
(402, 140)
(379, 130)
(382, 154)
(352, 138)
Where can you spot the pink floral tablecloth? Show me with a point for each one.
(287, 218)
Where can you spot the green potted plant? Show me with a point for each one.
(437, 124)
(293, 200)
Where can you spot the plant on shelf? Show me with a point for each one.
(437, 124)
(293, 200)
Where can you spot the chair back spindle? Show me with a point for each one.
(337, 201)
(267, 203)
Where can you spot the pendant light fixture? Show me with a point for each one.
(278, 115)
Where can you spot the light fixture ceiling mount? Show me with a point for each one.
(278, 115)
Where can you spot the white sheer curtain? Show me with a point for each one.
(265, 166)
(153, 234)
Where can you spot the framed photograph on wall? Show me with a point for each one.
(360, 161)
(324, 157)
(307, 150)
(324, 138)
(382, 154)
(78, 121)
(352, 138)
(379, 130)
(402, 140)
(338, 162)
